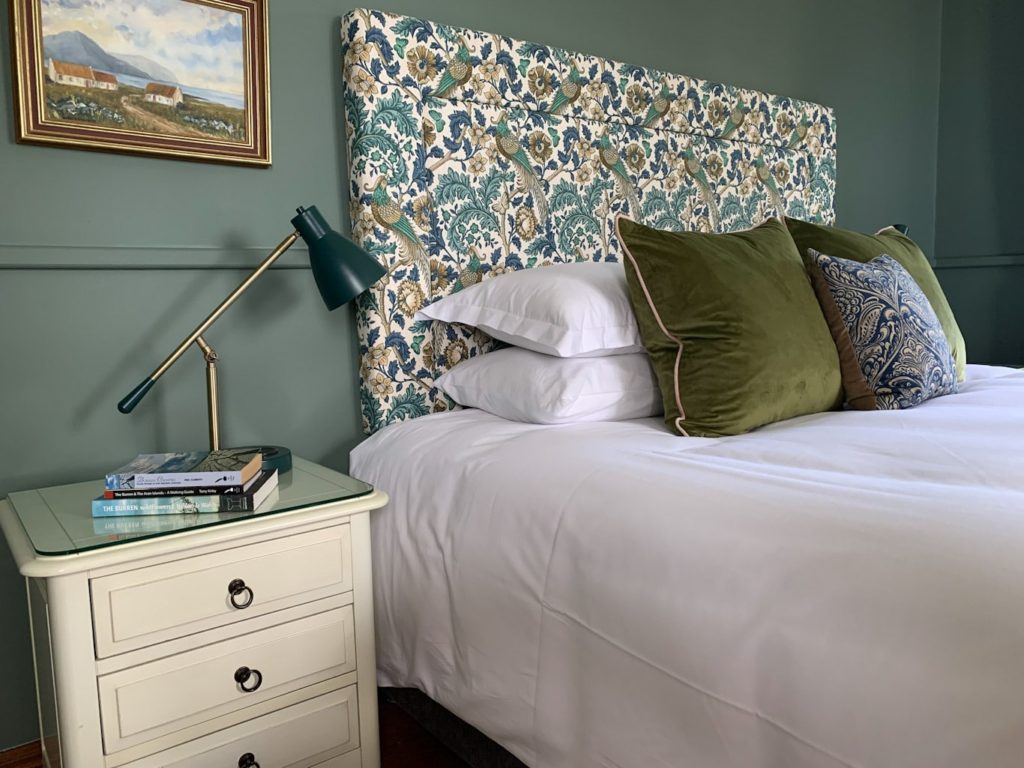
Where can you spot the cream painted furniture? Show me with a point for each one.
(203, 641)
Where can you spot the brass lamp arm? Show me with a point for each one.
(210, 356)
(132, 399)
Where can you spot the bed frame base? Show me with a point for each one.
(457, 735)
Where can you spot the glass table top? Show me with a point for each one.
(59, 520)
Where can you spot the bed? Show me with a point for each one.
(839, 589)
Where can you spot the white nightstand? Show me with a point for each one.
(203, 640)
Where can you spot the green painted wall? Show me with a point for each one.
(108, 260)
(979, 240)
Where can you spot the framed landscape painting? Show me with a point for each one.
(187, 79)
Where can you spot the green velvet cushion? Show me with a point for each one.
(863, 248)
(732, 327)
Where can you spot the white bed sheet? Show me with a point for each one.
(843, 589)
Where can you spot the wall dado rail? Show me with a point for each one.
(142, 257)
(992, 260)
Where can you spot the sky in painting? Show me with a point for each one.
(200, 44)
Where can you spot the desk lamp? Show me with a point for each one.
(342, 271)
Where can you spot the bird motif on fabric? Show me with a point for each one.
(695, 171)
(764, 175)
(658, 107)
(512, 150)
(568, 91)
(457, 72)
(389, 215)
(469, 274)
(736, 118)
(610, 159)
(799, 133)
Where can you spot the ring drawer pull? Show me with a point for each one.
(248, 760)
(242, 675)
(240, 595)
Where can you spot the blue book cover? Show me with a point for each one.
(187, 505)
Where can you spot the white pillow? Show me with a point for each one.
(567, 310)
(522, 385)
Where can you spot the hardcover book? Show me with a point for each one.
(186, 505)
(201, 469)
(203, 490)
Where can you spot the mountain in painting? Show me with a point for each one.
(79, 48)
(153, 70)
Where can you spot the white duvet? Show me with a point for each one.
(845, 589)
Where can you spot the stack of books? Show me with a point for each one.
(230, 480)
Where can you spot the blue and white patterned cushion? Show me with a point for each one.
(892, 349)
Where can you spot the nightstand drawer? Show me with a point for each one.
(299, 735)
(348, 760)
(161, 602)
(204, 688)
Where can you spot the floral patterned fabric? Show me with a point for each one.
(472, 154)
(892, 349)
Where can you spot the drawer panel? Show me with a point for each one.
(150, 605)
(348, 760)
(164, 697)
(299, 736)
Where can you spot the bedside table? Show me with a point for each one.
(204, 640)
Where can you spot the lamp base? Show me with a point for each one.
(274, 457)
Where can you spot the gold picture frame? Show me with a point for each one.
(183, 79)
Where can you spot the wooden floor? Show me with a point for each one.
(27, 756)
(403, 744)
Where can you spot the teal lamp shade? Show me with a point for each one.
(341, 268)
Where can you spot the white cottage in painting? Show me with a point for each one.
(168, 95)
(104, 80)
(80, 75)
(64, 73)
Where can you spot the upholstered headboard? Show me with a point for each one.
(472, 154)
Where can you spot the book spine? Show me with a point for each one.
(171, 505)
(134, 493)
(173, 480)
